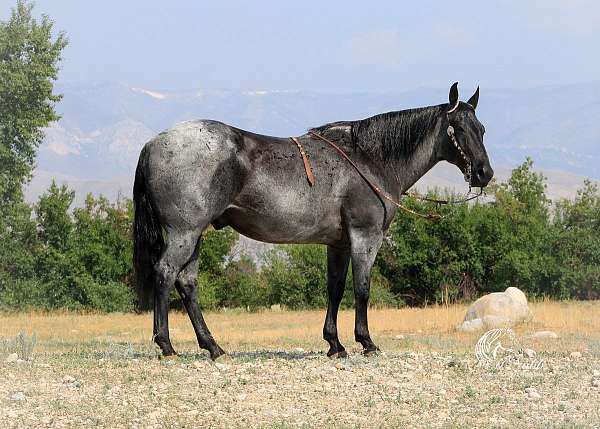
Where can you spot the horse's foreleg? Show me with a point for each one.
(178, 251)
(337, 270)
(187, 285)
(364, 248)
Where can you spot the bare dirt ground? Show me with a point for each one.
(103, 371)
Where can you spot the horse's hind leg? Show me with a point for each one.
(179, 249)
(187, 284)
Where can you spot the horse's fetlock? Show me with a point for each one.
(160, 339)
(330, 333)
(361, 335)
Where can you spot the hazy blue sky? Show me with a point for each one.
(339, 46)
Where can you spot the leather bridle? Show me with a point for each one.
(450, 131)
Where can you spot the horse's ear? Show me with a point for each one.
(453, 96)
(474, 99)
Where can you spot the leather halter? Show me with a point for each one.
(450, 131)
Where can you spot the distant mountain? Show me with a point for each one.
(94, 147)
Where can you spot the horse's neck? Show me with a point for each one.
(406, 172)
(396, 175)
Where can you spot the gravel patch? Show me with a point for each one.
(298, 389)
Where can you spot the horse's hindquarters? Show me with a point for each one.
(192, 174)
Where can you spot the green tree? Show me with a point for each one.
(243, 286)
(428, 261)
(577, 248)
(525, 235)
(296, 276)
(19, 245)
(101, 239)
(29, 57)
(52, 213)
(214, 252)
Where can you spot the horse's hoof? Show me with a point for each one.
(222, 358)
(338, 355)
(169, 357)
(369, 353)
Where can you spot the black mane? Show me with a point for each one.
(391, 135)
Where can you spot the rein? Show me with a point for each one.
(385, 195)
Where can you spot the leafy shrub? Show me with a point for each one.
(107, 296)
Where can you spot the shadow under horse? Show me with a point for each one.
(205, 172)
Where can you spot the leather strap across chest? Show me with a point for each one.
(309, 174)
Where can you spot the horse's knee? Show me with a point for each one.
(362, 293)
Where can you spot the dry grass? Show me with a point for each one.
(238, 330)
(102, 371)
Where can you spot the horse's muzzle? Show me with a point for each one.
(482, 176)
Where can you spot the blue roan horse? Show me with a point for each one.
(205, 172)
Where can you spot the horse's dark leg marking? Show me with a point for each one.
(180, 247)
(187, 285)
(337, 270)
(364, 250)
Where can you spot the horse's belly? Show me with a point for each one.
(269, 227)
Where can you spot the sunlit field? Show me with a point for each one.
(102, 370)
(429, 328)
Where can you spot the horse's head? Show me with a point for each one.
(462, 144)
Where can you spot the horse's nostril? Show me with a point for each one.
(484, 174)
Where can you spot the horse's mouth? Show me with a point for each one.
(481, 176)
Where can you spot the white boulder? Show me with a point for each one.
(545, 335)
(497, 310)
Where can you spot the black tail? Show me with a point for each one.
(148, 241)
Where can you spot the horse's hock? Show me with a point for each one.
(498, 309)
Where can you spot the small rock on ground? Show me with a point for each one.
(13, 357)
(221, 366)
(67, 379)
(17, 396)
(532, 394)
(543, 335)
